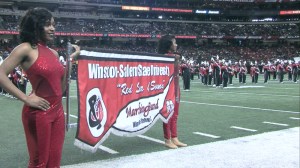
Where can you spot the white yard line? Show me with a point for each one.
(267, 95)
(108, 150)
(73, 116)
(245, 93)
(272, 123)
(242, 107)
(294, 118)
(151, 139)
(245, 129)
(72, 125)
(206, 135)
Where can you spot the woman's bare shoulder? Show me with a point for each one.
(24, 48)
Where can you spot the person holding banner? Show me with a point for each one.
(167, 45)
(42, 114)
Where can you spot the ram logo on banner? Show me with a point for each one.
(122, 93)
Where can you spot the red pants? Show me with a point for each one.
(45, 132)
(170, 128)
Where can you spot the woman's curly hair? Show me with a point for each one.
(32, 25)
(165, 43)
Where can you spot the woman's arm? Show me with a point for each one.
(17, 57)
(12, 61)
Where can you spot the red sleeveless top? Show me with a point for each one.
(46, 73)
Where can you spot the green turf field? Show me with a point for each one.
(206, 115)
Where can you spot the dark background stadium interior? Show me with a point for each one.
(247, 30)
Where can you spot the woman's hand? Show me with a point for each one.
(76, 53)
(37, 102)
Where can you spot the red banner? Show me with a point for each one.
(130, 35)
(173, 10)
(122, 93)
(289, 12)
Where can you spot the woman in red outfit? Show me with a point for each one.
(42, 115)
(167, 45)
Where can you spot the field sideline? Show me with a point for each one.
(269, 150)
(209, 117)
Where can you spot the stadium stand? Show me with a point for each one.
(249, 30)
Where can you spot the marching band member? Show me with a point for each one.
(288, 69)
(206, 73)
(298, 67)
(231, 72)
(210, 72)
(256, 74)
(236, 69)
(192, 70)
(295, 71)
(280, 71)
(201, 72)
(22, 82)
(239, 72)
(273, 71)
(225, 74)
(254, 71)
(186, 75)
(242, 73)
(266, 70)
(217, 72)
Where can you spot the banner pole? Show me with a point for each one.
(69, 48)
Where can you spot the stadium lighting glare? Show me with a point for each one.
(160, 17)
(263, 20)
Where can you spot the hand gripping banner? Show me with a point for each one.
(123, 93)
